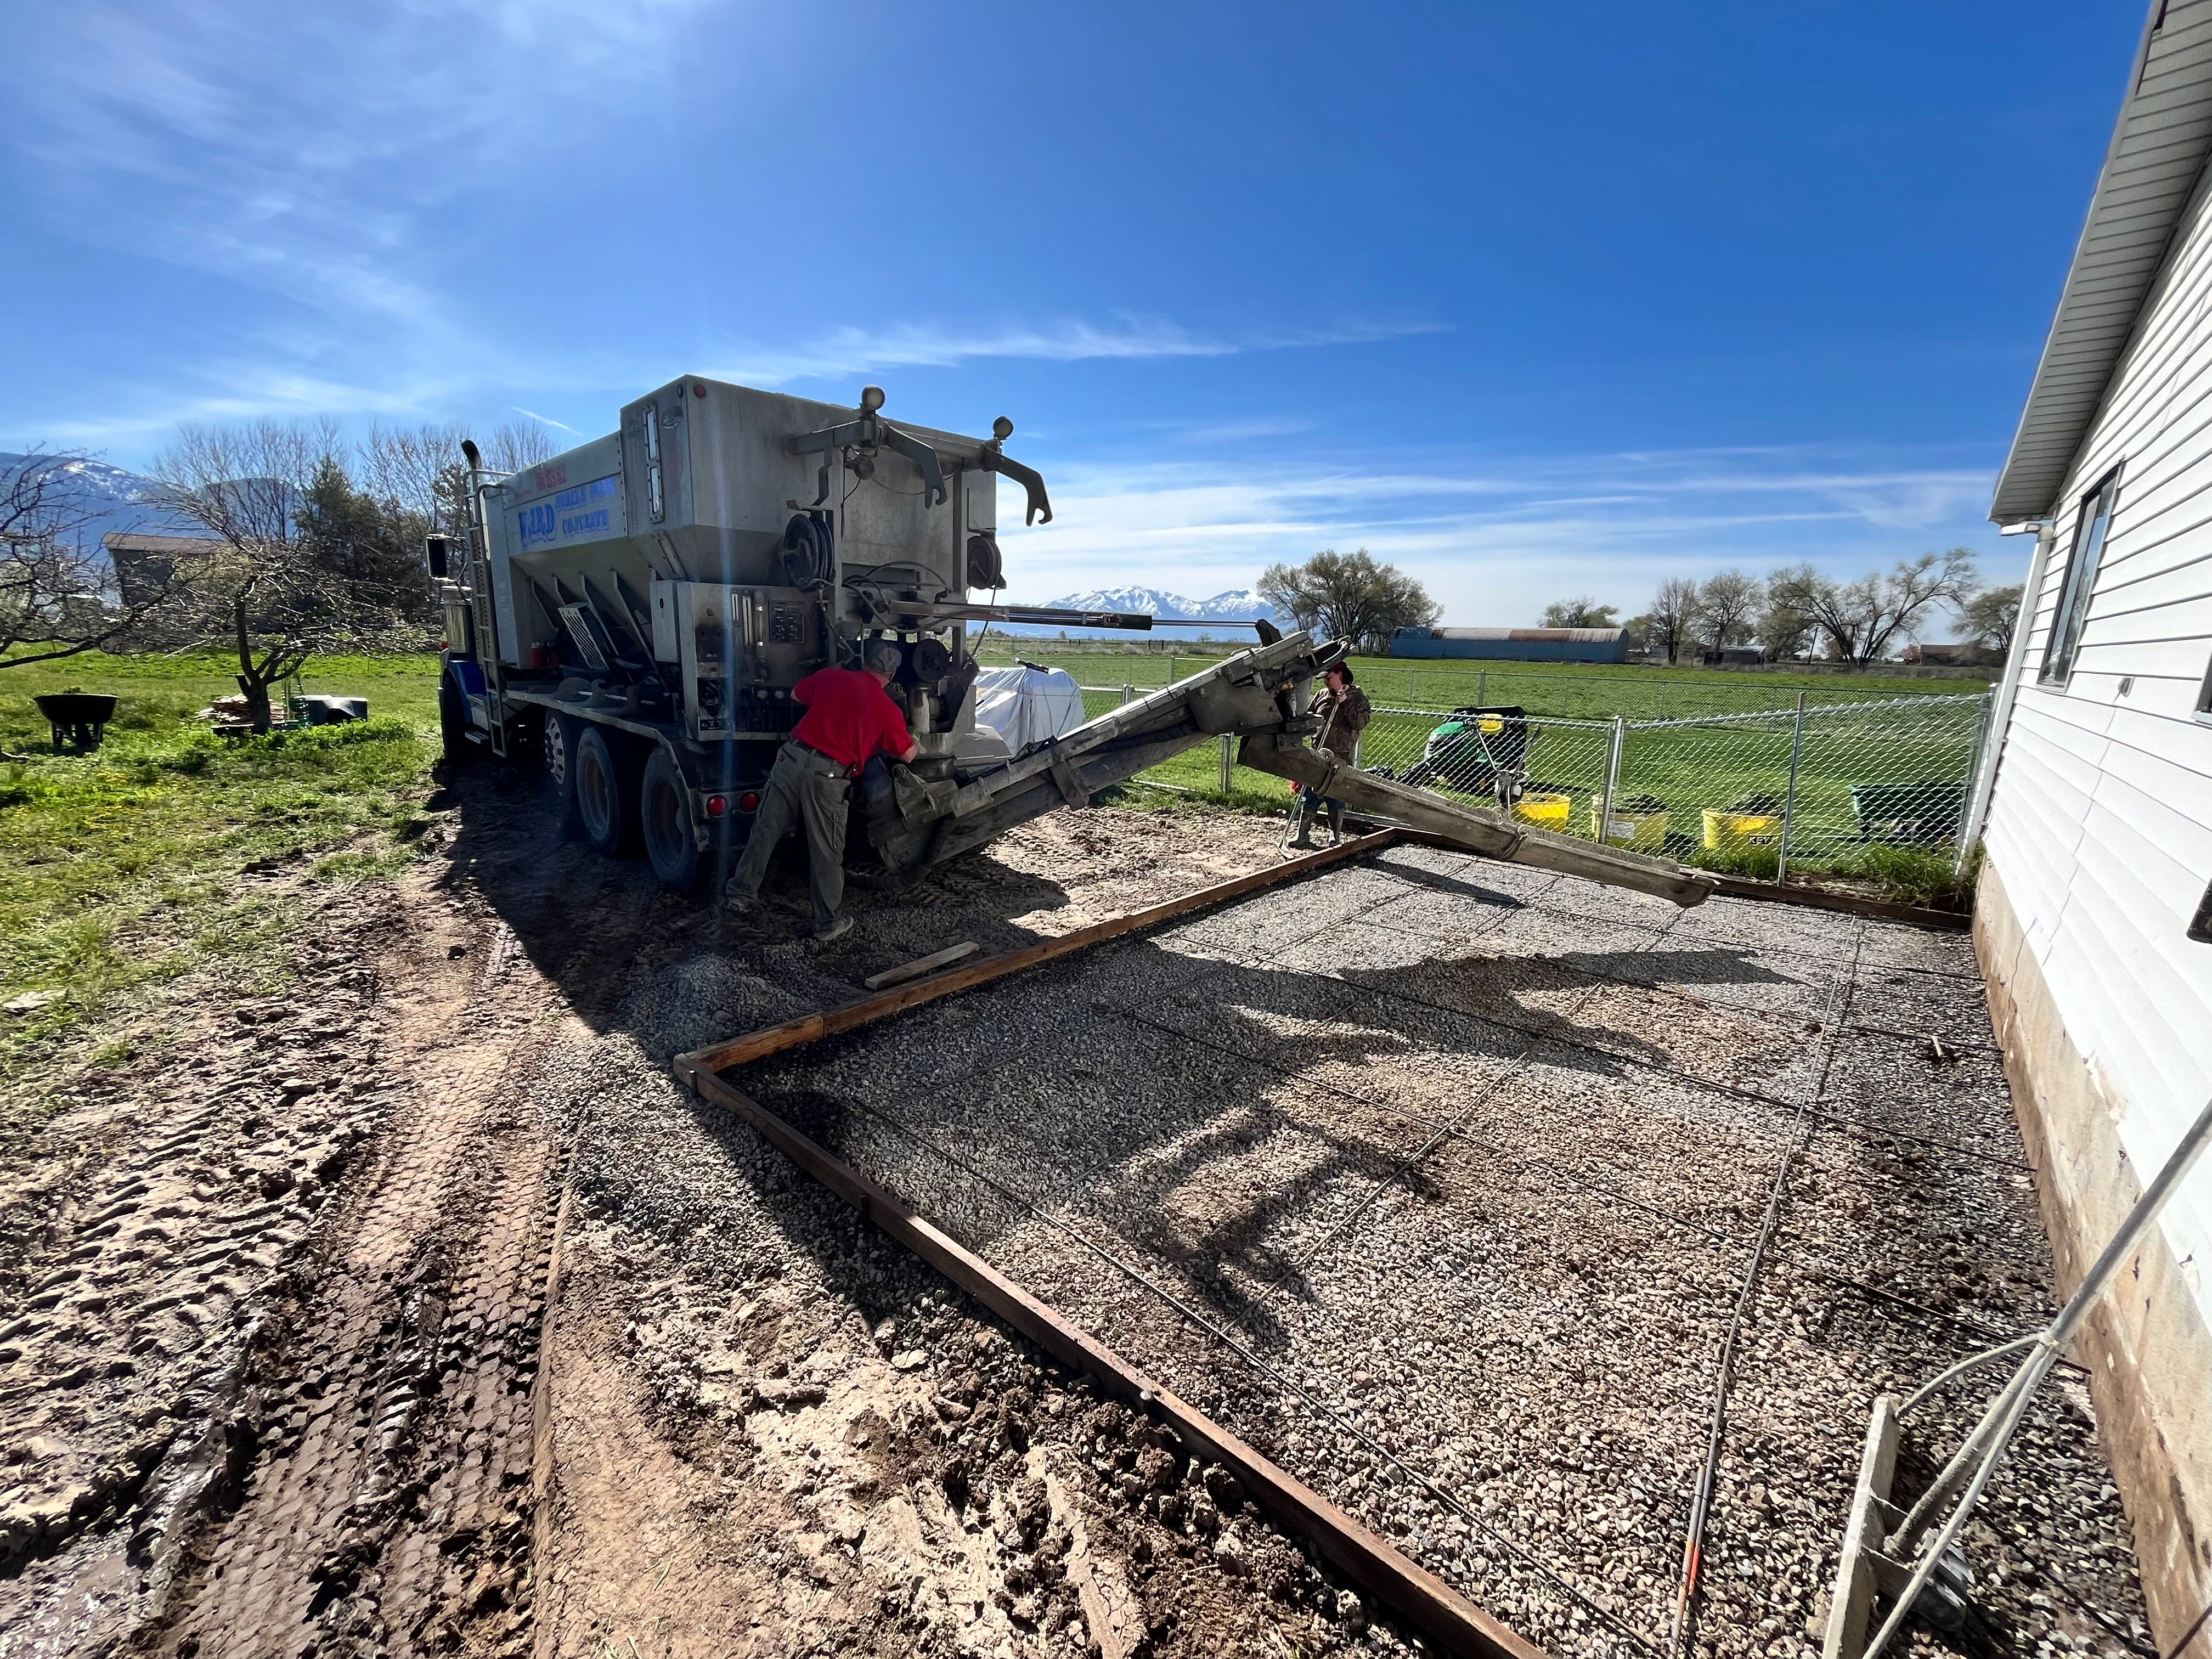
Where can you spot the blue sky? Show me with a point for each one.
(1531, 300)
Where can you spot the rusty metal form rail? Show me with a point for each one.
(1415, 1596)
(1418, 1598)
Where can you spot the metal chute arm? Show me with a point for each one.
(1032, 483)
(921, 455)
(874, 431)
(1471, 827)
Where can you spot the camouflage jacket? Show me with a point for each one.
(1341, 723)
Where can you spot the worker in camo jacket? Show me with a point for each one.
(849, 719)
(1344, 711)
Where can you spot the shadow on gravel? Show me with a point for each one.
(1217, 1143)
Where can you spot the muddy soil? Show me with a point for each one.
(415, 1311)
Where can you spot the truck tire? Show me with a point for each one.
(453, 724)
(663, 812)
(560, 734)
(605, 788)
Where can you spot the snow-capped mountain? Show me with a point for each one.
(1238, 605)
(107, 498)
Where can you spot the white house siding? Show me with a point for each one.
(2101, 824)
(2099, 847)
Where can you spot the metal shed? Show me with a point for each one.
(1513, 644)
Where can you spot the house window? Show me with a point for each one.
(2090, 525)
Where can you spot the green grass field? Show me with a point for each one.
(121, 866)
(1585, 690)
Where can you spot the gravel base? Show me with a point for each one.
(1528, 1315)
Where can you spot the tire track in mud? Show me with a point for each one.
(268, 1388)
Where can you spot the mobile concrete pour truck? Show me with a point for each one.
(635, 613)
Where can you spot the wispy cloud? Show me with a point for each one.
(849, 350)
(542, 420)
(1493, 539)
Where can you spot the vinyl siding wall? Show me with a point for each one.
(2101, 824)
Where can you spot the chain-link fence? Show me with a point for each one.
(1814, 785)
(1592, 693)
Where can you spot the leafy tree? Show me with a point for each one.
(1991, 617)
(1584, 612)
(1864, 620)
(1783, 630)
(1666, 626)
(1348, 596)
(1727, 604)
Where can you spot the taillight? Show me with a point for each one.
(717, 805)
(749, 802)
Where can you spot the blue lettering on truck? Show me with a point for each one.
(533, 525)
(574, 514)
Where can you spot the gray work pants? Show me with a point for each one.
(811, 791)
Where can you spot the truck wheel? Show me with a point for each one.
(663, 810)
(453, 723)
(606, 795)
(562, 731)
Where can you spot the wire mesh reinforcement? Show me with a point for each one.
(1836, 785)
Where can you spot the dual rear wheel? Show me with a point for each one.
(616, 794)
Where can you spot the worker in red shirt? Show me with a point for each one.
(850, 718)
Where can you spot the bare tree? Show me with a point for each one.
(1584, 612)
(1349, 596)
(514, 445)
(1665, 625)
(1726, 607)
(263, 587)
(1864, 619)
(53, 588)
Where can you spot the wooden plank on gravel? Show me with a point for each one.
(1810, 898)
(920, 965)
(1416, 1597)
(850, 1016)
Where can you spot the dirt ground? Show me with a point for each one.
(419, 1311)
(416, 1310)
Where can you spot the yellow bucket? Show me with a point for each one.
(1546, 811)
(1645, 831)
(1725, 830)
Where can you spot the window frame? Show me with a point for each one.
(2069, 619)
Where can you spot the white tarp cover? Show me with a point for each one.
(1028, 705)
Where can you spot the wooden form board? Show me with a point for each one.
(1415, 1596)
(866, 1010)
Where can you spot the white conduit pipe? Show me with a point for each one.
(2004, 1416)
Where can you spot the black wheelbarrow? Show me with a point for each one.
(79, 719)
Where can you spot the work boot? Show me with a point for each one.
(836, 929)
(741, 905)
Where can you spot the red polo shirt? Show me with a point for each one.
(849, 716)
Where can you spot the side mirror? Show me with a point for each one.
(438, 554)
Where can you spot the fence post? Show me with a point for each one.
(1789, 800)
(1171, 668)
(1413, 688)
(1482, 689)
(1969, 833)
(1128, 694)
(1612, 780)
(1228, 760)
